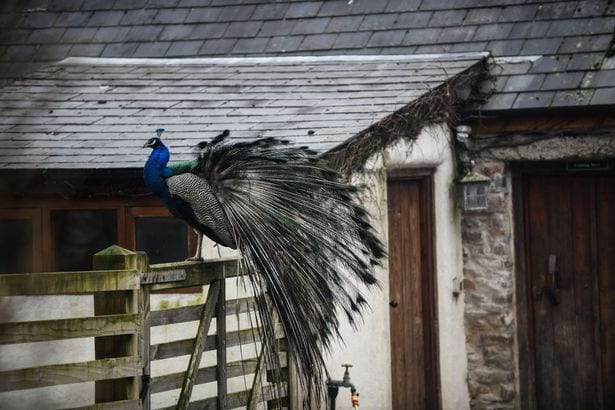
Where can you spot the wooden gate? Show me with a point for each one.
(570, 286)
(121, 286)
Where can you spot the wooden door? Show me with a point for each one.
(412, 292)
(570, 248)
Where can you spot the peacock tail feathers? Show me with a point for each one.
(306, 243)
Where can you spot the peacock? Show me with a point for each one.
(306, 243)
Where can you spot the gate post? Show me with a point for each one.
(110, 303)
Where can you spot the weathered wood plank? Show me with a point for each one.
(221, 346)
(55, 283)
(115, 405)
(43, 330)
(173, 275)
(205, 375)
(193, 366)
(184, 346)
(193, 312)
(234, 400)
(58, 374)
(197, 273)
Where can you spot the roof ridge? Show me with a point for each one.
(272, 59)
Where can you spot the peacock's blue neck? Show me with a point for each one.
(156, 171)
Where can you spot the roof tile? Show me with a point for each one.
(208, 31)
(456, 34)
(217, 46)
(572, 97)
(143, 33)
(586, 43)
(604, 78)
(318, 42)
(141, 16)
(72, 19)
(540, 46)
(277, 28)
(184, 48)
(604, 96)
(176, 32)
(533, 100)
(588, 8)
(378, 22)
(171, 16)
(203, 15)
(236, 13)
(352, 40)
(493, 31)
(531, 29)
(270, 11)
(250, 45)
(570, 27)
(46, 35)
(386, 38)
(243, 29)
(64, 5)
(600, 25)
(106, 18)
(79, 35)
(505, 47)
(559, 81)
(447, 18)
(557, 10)
(401, 6)
(284, 43)
(344, 23)
(525, 12)
(120, 49)
(149, 49)
(468, 47)
(585, 61)
(525, 82)
(303, 10)
(39, 20)
(413, 20)
(550, 64)
(310, 26)
(86, 50)
(337, 8)
(482, 16)
(423, 36)
(97, 5)
(111, 34)
(49, 52)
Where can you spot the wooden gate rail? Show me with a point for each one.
(121, 285)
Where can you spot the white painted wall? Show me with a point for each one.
(368, 349)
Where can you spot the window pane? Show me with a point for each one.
(15, 245)
(78, 235)
(164, 238)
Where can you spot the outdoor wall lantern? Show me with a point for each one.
(474, 189)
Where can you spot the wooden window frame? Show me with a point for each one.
(34, 215)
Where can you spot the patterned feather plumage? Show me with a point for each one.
(306, 243)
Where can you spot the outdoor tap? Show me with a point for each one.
(334, 385)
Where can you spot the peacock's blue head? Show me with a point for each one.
(153, 142)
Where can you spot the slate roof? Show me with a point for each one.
(97, 113)
(566, 47)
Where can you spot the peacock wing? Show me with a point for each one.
(195, 202)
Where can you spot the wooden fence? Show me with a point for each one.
(122, 284)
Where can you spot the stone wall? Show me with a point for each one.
(488, 255)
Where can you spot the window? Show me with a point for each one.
(18, 242)
(79, 234)
(58, 235)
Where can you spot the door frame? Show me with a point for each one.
(519, 170)
(425, 177)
